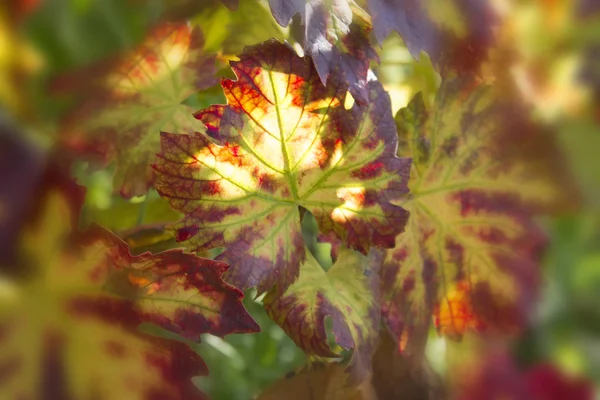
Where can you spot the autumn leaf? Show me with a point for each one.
(471, 248)
(69, 318)
(455, 315)
(348, 293)
(124, 110)
(287, 142)
(336, 35)
(456, 34)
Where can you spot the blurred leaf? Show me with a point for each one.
(69, 318)
(45, 323)
(229, 32)
(496, 375)
(21, 171)
(19, 60)
(398, 377)
(317, 382)
(131, 103)
(471, 250)
(403, 77)
(578, 139)
(120, 214)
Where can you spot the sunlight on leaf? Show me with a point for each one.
(285, 141)
(336, 36)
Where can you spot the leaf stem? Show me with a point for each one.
(142, 210)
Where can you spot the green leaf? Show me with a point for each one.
(285, 141)
(229, 31)
(348, 293)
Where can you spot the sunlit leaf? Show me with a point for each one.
(69, 317)
(336, 36)
(471, 248)
(456, 34)
(229, 32)
(348, 293)
(287, 142)
(125, 109)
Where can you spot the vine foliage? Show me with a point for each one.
(425, 219)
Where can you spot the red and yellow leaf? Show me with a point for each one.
(470, 252)
(126, 108)
(348, 293)
(287, 141)
(70, 310)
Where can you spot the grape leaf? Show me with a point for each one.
(336, 36)
(288, 142)
(410, 19)
(124, 110)
(69, 324)
(348, 292)
(337, 33)
(480, 174)
(456, 34)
